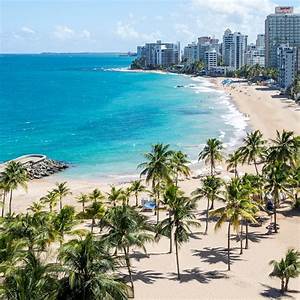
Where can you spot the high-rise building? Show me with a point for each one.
(260, 41)
(237, 50)
(211, 59)
(287, 65)
(227, 42)
(190, 53)
(283, 27)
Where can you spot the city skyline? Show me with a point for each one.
(91, 26)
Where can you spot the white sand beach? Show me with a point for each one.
(203, 259)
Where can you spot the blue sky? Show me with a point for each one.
(120, 25)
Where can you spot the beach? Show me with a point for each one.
(203, 259)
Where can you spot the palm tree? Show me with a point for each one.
(89, 271)
(253, 148)
(4, 189)
(31, 280)
(64, 221)
(36, 207)
(83, 199)
(125, 195)
(237, 208)
(61, 191)
(276, 184)
(157, 169)
(115, 195)
(137, 187)
(288, 267)
(211, 188)
(285, 148)
(51, 198)
(14, 175)
(126, 228)
(232, 162)
(95, 211)
(179, 165)
(96, 195)
(211, 154)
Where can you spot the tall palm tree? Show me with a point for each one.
(181, 218)
(179, 165)
(14, 175)
(89, 271)
(4, 189)
(235, 210)
(32, 279)
(288, 267)
(234, 159)
(277, 184)
(285, 148)
(83, 199)
(211, 190)
(126, 228)
(51, 198)
(137, 187)
(96, 195)
(253, 148)
(212, 153)
(157, 169)
(62, 191)
(115, 195)
(95, 211)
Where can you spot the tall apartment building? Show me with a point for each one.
(237, 50)
(227, 42)
(190, 53)
(211, 59)
(159, 54)
(283, 27)
(255, 54)
(287, 63)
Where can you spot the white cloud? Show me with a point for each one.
(126, 31)
(63, 33)
(183, 31)
(26, 29)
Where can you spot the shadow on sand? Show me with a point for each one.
(254, 237)
(273, 293)
(198, 275)
(148, 276)
(215, 255)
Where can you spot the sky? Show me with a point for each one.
(120, 25)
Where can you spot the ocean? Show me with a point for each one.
(88, 110)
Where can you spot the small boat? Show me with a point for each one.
(180, 86)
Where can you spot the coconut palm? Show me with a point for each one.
(61, 191)
(211, 190)
(4, 189)
(285, 148)
(96, 195)
(179, 165)
(157, 169)
(234, 159)
(95, 211)
(212, 153)
(115, 195)
(14, 175)
(125, 195)
(51, 198)
(137, 187)
(126, 228)
(83, 199)
(36, 207)
(32, 279)
(89, 271)
(288, 267)
(253, 149)
(236, 210)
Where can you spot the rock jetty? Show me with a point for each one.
(44, 168)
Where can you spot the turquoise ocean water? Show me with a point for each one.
(86, 109)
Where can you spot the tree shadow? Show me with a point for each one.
(137, 255)
(273, 293)
(198, 275)
(254, 237)
(290, 213)
(215, 255)
(195, 235)
(148, 276)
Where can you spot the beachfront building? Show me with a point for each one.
(237, 50)
(287, 63)
(190, 53)
(159, 54)
(211, 59)
(227, 42)
(255, 53)
(207, 43)
(283, 27)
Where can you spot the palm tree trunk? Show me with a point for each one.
(282, 285)
(177, 258)
(10, 200)
(212, 203)
(92, 226)
(206, 223)
(60, 203)
(255, 165)
(228, 246)
(286, 284)
(275, 213)
(3, 207)
(136, 200)
(127, 259)
(83, 208)
(246, 244)
(241, 239)
(171, 233)
(157, 214)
